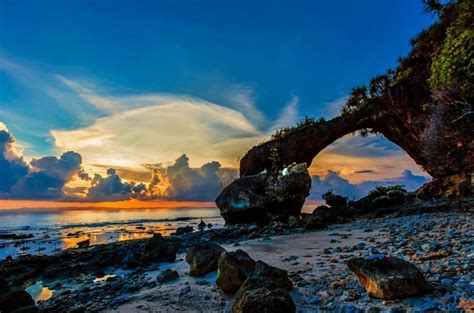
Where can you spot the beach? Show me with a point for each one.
(440, 244)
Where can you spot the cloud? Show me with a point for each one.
(158, 133)
(350, 156)
(332, 181)
(110, 188)
(241, 98)
(57, 178)
(12, 166)
(331, 109)
(181, 182)
(374, 146)
(289, 114)
(48, 176)
(42, 178)
(365, 172)
(100, 102)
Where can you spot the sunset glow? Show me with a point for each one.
(128, 204)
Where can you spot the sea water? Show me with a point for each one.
(56, 229)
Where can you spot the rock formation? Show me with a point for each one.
(424, 106)
(389, 277)
(203, 257)
(277, 275)
(233, 269)
(265, 195)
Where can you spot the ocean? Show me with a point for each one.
(46, 231)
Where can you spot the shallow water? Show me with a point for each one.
(54, 230)
(39, 292)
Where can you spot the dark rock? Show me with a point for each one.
(83, 244)
(382, 202)
(130, 261)
(160, 249)
(255, 282)
(294, 222)
(321, 217)
(397, 196)
(264, 196)
(263, 300)
(203, 258)
(279, 276)
(14, 300)
(389, 277)
(167, 276)
(202, 225)
(233, 269)
(6, 236)
(183, 230)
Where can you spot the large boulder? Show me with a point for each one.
(263, 299)
(233, 269)
(159, 248)
(389, 277)
(278, 276)
(203, 258)
(265, 291)
(264, 196)
(321, 217)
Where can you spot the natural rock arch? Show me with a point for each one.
(305, 143)
(399, 121)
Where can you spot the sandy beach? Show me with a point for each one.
(316, 261)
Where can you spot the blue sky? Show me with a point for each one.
(70, 69)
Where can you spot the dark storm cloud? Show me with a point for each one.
(12, 166)
(110, 188)
(47, 177)
(335, 183)
(43, 178)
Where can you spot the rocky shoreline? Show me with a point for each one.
(154, 274)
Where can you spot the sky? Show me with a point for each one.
(157, 100)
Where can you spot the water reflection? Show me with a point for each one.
(103, 278)
(133, 236)
(58, 230)
(39, 292)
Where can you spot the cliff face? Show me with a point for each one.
(424, 106)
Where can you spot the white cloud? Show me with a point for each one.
(331, 109)
(289, 115)
(103, 103)
(243, 100)
(162, 132)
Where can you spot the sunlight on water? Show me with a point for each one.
(103, 278)
(55, 230)
(39, 293)
(133, 236)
